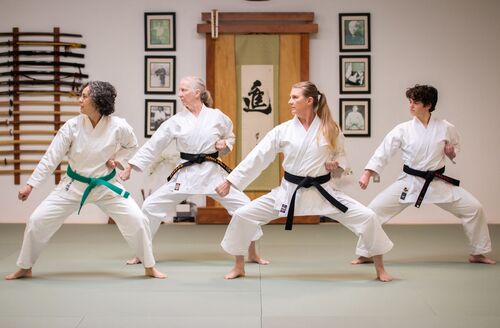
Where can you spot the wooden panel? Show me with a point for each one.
(261, 16)
(260, 28)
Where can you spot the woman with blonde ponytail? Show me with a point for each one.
(312, 145)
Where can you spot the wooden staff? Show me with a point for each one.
(19, 132)
(41, 53)
(39, 93)
(40, 63)
(11, 103)
(24, 142)
(40, 34)
(23, 161)
(35, 112)
(7, 172)
(31, 122)
(43, 43)
(22, 151)
(30, 73)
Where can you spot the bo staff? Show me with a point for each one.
(36, 112)
(31, 82)
(41, 34)
(61, 74)
(22, 151)
(33, 53)
(39, 93)
(43, 43)
(24, 142)
(11, 103)
(23, 161)
(41, 63)
(5, 172)
(19, 132)
(30, 122)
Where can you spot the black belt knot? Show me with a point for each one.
(428, 176)
(307, 182)
(198, 159)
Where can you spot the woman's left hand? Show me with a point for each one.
(111, 164)
(332, 165)
(220, 144)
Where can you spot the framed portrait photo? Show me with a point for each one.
(159, 31)
(159, 75)
(354, 117)
(354, 32)
(157, 111)
(354, 74)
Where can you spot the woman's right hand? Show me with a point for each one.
(223, 189)
(24, 192)
(125, 174)
(365, 179)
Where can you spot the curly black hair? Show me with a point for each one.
(103, 96)
(426, 94)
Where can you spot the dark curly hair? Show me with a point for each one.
(426, 94)
(103, 96)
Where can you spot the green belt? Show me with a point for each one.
(94, 182)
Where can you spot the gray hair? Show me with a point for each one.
(103, 96)
(197, 83)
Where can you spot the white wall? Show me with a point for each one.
(452, 44)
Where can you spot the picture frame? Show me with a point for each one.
(159, 75)
(159, 31)
(354, 74)
(355, 117)
(354, 32)
(156, 112)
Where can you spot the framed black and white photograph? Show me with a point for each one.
(159, 74)
(354, 74)
(354, 32)
(159, 31)
(354, 117)
(157, 111)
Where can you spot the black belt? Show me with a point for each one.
(198, 159)
(428, 176)
(306, 182)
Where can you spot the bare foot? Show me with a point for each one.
(154, 273)
(235, 273)
(20, 273)
(362, 260)
(382, 275)
(257, 259)
(481, 259)
(133, 261)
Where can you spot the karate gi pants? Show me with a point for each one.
(54, 210)
(467, 208)
(247, 221)
(164, 200)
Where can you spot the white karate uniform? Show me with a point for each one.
(87, 149)
(304, 155)
(193, 135)
(423, 149)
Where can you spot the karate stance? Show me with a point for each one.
(425, 142)
(201, 135)
(312, 145)
(94, 143)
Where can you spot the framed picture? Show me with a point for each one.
(354, 74)
(159, 74)
(354, 117)
(157, 111)
(159, 31)
(354, 32)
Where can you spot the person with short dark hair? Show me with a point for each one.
(425, 143)
(95, 143)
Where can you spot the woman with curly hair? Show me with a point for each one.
(95, 143)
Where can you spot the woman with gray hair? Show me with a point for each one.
(201, 134)
(94, 143)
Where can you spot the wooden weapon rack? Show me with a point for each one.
(38, 91)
